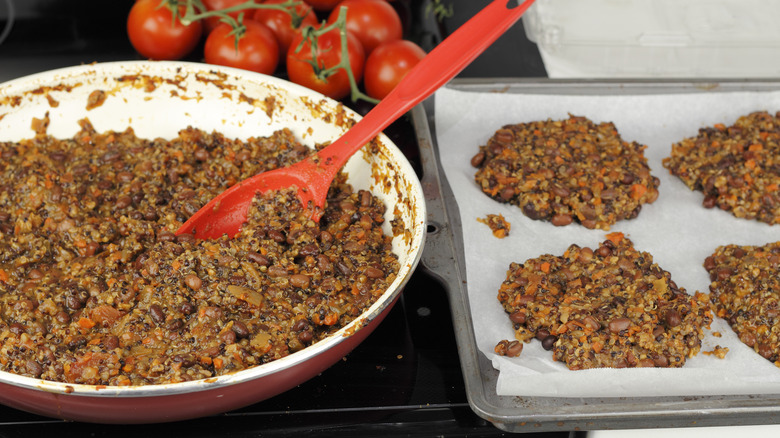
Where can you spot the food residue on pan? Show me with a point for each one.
(718, 351)
(509, 348)
(337, 117)
(15, 100)
(497, 223)
(54, 103)
(386, 178)
(95, 99)
(270, 106)
(11, 101)
(40, 126)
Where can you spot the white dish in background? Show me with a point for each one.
(656, 38)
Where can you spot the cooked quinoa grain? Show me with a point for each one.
(736, 167)
(604, 307)
(96, 288)
(745, 291)
(566, 171)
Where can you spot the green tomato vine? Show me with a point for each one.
(439, 10)
(195, 10)
(311, 35)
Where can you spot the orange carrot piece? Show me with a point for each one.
(637, 190)
(331, 318)
(86, 323)
(615, 237)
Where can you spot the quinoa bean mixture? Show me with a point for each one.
(96, 288)
(566, 171)
(745, 291)
(737, 167)
(604, 307)
(498, 224)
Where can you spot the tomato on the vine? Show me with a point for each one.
(257, 48)
(155, 34)
(280, 22)
(210, 23)
(328, 54)
(323, 5)
(388, 64)
(373, 21)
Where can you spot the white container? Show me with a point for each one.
(657, 38)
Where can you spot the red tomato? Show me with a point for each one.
(323, 5)
(280, 22)
(210, 23)
(373, 21)
(154, 34)
(257, 49)
(388, 64)
(328, 55)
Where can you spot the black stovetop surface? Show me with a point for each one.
(405, 379)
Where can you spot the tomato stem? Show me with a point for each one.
(345, 64)
(195, 10)
(439, 10)
(311, 35)
(193, 6)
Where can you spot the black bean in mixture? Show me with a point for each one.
(96, 288)
(605, 307)
(566, 171)
(736, 167)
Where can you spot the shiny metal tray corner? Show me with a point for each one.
(443, 258)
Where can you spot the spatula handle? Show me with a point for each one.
(439, 66)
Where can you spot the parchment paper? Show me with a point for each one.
(676, 230)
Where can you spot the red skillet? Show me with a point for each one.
(226, 213)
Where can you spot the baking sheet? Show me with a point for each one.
(676, 230)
